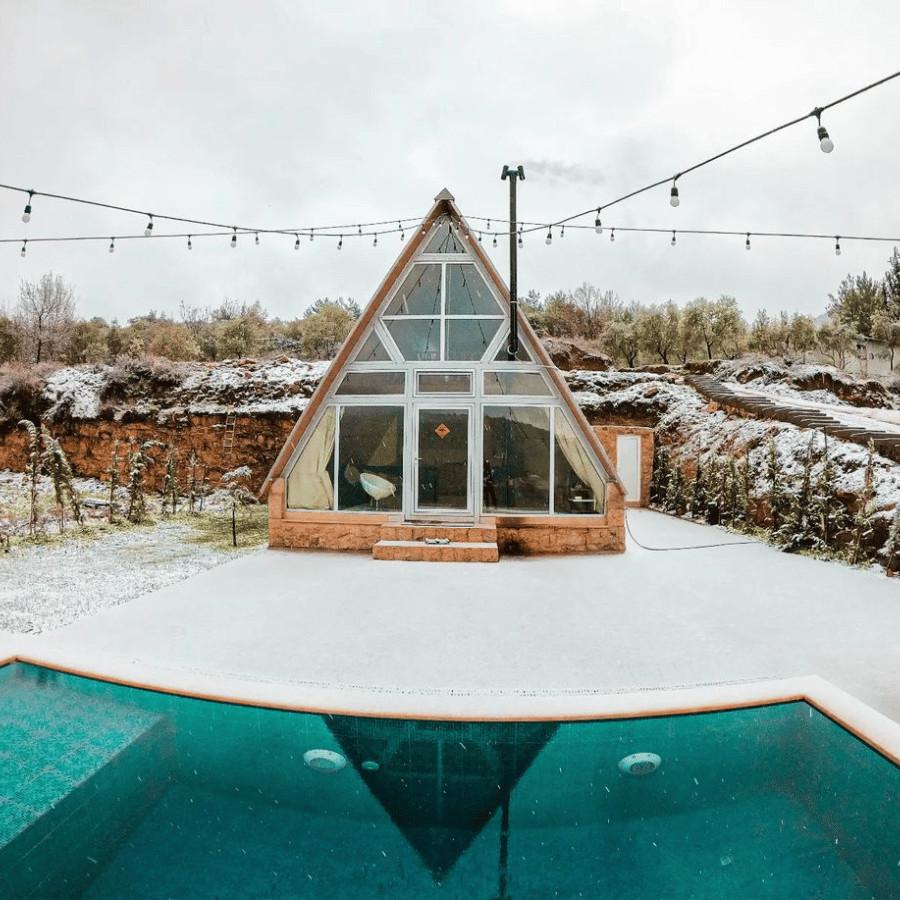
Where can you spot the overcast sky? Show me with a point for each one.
(299, 113)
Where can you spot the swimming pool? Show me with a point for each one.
(110, 791)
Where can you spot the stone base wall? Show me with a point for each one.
(292, 535)
(531, 540)
(89, 444)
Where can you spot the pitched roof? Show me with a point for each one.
(444, 205)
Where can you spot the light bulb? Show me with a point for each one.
(612, 236)
(747, 245)
(837, 247)
(825, 142)
(562, 231)
(359, 229)
(598, 225)
(296, 241)
(340, 242)
(489, 225)
(234, 238)
(26, 214)
(673, 238)
(112, 245)
(375, 241)
(673, 196)
(149, 229)
(521, 242)
(494, 242)
(311, 233)
(256, 241)
(549, 239)
(22, 252)
(479, 237)
(190, 245)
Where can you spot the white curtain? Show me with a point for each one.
(578, 458)
(309, 484)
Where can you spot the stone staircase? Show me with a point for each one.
(438, 541)
(885, 442)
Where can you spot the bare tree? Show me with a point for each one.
(44, 312)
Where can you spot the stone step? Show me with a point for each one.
(455, 551)
(458, 534)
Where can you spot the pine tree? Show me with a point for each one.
(33, 472)
(828, 508)
(891, 549)
(716, 490)
(743, 483)
(697, 499)
(862, 520)
(192, 464)
(675, 500)
(777, 496)
(659, 481)
(139, 461)
(236, 483)
(56, 465)
(115, 478)
(170, 485)
(800, 530)
(730, 494)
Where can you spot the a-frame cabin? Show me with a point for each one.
(425, 441)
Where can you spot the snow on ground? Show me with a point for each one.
(46, 586)
(685, 421)
(342, 631)
(75, 390)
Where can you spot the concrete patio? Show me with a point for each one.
(344, 631)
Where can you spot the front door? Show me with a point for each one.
(442, 470)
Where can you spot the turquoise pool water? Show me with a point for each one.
(107, 791)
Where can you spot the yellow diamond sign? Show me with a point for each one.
(442, 431)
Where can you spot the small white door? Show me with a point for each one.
(628, 462)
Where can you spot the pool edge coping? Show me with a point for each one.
(873, 728)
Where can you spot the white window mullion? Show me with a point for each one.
(552, 460)
(337, 455)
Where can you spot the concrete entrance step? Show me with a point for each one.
(454, 551)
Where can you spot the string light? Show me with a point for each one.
(562, 232)
(234, 238)
(296, 241)
(549, 239)
(311, 230)
(149, 229)
(26, 214)
(190, 245)
(598, 225)
(256, 239)
(24, 248)
(673, 238)
(612, 236)
(837, 246)
(479, 237)
(488, 224)
(359, 229)
(747, 245)
(402, 233)
(673, 194)
(112, 245)
(825, 141)
(340, 242)
(494, 242)
(375, 241)
(521, 242)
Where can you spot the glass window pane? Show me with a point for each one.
(370, 458)
(579, 488)
(445, 383)
(528, 384)
(420, 293)
(309, 482)
(469, 338)
(372, 350)
(417, 339)
(445, 240)
(522, 354)
(516, 473)
(467, 293)
(373, 383)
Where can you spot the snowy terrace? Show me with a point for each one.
(527, 636)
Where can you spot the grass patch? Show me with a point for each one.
(214, 529)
